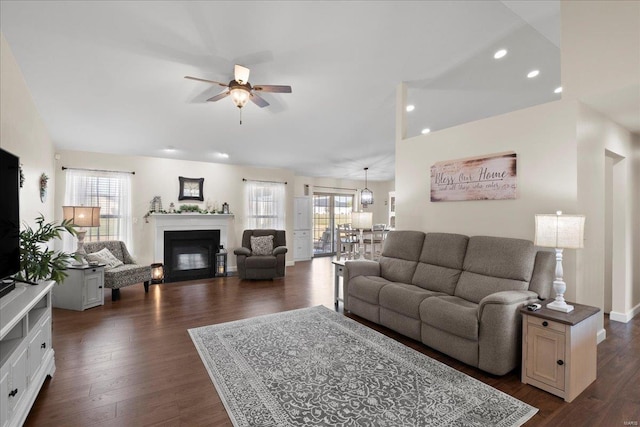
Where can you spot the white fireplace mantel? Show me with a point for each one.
(185, 222)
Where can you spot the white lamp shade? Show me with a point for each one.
(362, 220)
(82, 216)
(559, 231)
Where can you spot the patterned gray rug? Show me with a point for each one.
(315, 367)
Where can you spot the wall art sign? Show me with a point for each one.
(490, 177)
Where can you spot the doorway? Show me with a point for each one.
(329, 210)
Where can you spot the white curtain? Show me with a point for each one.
(109, 190)
(265, 205)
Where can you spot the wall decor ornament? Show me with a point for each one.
(191, 188)
(43, 187)
(489, 177)
(21, 176)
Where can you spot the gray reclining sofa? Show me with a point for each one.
(459, 295)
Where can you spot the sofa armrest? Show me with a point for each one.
(506, 298)
(242, 251)
(354, 268)
(499, 338)
(361, 268)
(280, 250)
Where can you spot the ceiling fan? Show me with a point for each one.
(241, 90)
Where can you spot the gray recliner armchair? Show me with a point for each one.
(266, 264)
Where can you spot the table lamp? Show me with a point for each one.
(560, 232)
(360, 221)
(82, 216)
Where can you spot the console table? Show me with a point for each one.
(559, 350)
(26, 355)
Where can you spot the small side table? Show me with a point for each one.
(559, 350)
(82, 288)
(339, 272)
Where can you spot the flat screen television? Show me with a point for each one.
(9, 214)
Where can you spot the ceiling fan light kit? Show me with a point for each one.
(241, 90)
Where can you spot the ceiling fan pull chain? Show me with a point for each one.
(241, 116)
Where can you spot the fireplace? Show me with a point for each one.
(190, 255)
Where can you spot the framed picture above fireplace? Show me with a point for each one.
(191, 188)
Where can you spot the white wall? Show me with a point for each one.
(599, 137)
(23, 134)
(600, 47)
(159, 177)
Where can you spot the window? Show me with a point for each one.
(265, 205)
(109, 190)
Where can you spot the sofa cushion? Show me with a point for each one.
(406, 245)
(262, 245)
(474, 287)
(451, 314)
(258, 261)
(397, 270)
(404, 299)
(440, 262)
(114, 246)
(436, 278)
(125, 275)
(104, 256)
(500, 257)
(444, 249)
(367, 288)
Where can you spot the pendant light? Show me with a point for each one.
(366, 195)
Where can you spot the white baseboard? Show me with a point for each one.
(290, 263)
(624, 317)
(601, 336)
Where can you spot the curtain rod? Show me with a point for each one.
(271, 182)
(97, 170)
(335, 188)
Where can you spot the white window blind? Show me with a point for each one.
(265, 205)
(109, 190)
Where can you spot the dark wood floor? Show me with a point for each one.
(132, 363)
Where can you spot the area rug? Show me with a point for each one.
(315, 367)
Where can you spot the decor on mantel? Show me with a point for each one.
(191, 188)
(43, 187)
(560, 232)
(37, 262)
(156, 204)
(82, 216)
(366, 195)
(489, 177)
(328, 369)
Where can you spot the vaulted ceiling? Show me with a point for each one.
(108, 76)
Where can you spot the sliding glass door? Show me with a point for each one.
(329, 211)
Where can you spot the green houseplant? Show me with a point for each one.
(37, 261)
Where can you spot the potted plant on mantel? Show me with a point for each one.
(37, 261)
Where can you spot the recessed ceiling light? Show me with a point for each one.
(533, 73)
(410, 108)
(425, 131)
(223, 155)
(558, 90)
(500, 54)
(170, 149)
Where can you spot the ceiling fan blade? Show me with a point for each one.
(241, 74)
(260, 102)
(273, 88)
(206, 81)
(219, 96)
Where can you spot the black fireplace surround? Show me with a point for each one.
(190, 255)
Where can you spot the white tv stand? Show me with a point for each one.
(26, 355)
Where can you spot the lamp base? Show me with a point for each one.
(560, 306)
